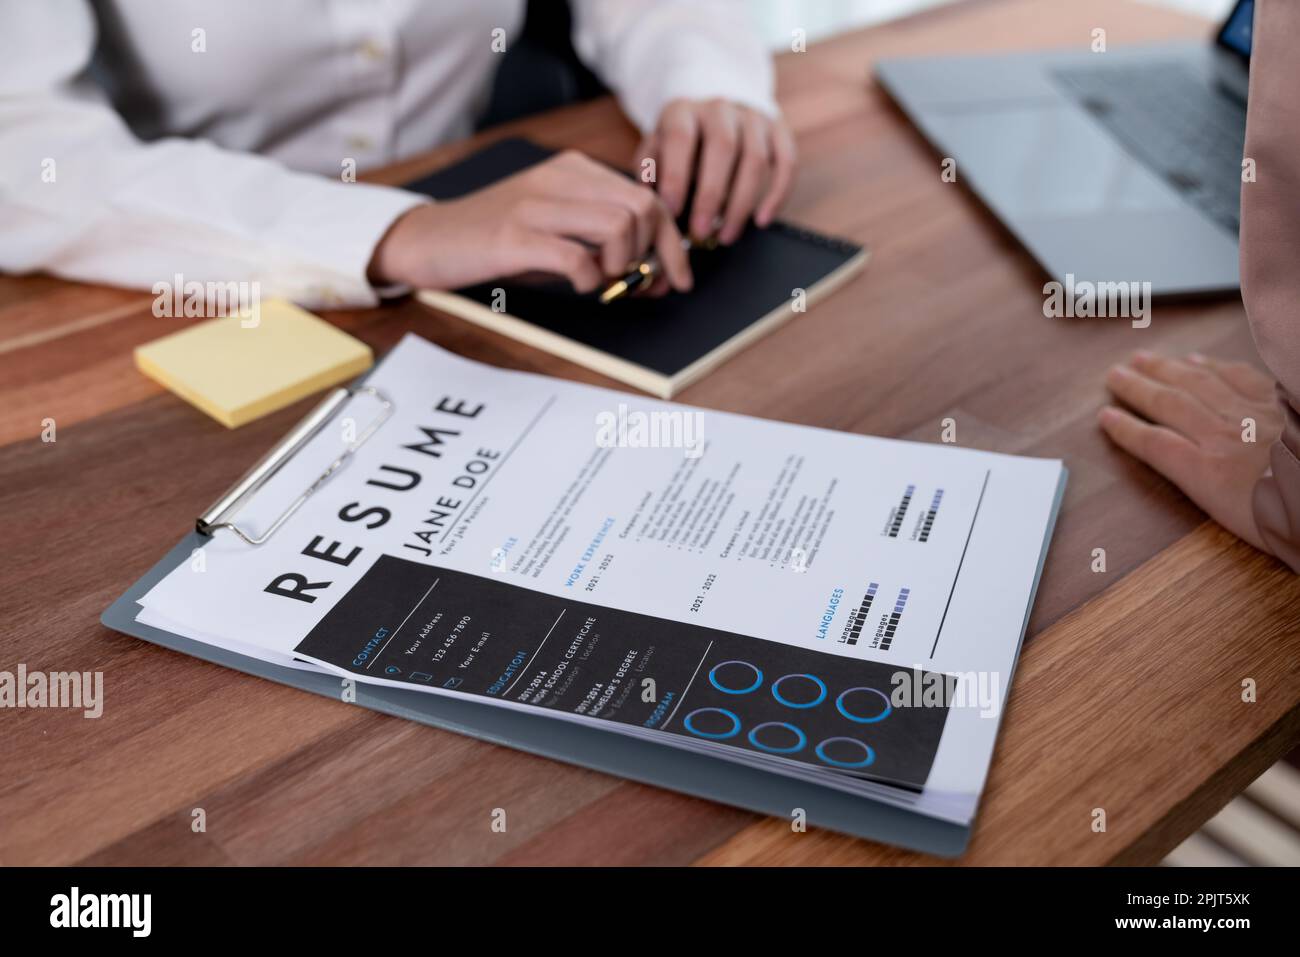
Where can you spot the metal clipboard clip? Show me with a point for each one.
(222, 511)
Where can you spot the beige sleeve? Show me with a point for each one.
(1270, 256)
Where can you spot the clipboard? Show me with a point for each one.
(638, 760)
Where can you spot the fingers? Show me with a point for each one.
(572, 179)
(530, 251)
(1219, 477)
(719, 150)
(1162, 404)
(1197, 380)
(1241, 376)
(673, 260)
(658, 287)
(655, 226)
(742, 161)
(1164, 450)
(578, 178)
(575, 177)
(676, 143)
(782, 175)
(751, 172)
(611, 228)
(648, 148)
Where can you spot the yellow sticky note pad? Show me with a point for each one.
(236, 371)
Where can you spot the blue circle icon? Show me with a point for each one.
(880, 715)
(800, 738)
(713, 677)
(870, 755)
(715, 735)
(821, 692)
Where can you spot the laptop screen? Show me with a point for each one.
(1235, 34)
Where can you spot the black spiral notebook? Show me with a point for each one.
(660, 345)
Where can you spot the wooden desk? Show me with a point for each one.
(1128, 693)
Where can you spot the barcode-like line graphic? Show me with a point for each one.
(899, 512)
(929, 516)
(891, 623)
(860, 616)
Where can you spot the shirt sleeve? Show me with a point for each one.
(82, 197)
(1270, 256)
(650, 53)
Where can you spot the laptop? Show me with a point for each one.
(1123, 165)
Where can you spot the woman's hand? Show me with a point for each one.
(1189, 428)
(740, 161)
(568, 216)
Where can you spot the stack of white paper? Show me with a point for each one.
(842, 609)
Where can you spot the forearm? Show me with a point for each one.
(81, 197)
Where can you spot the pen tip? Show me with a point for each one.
(613, 292)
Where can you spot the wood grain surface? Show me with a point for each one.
(1128, 693)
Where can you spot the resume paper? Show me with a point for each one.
(838, 608)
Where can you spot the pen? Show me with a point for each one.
(642, 273)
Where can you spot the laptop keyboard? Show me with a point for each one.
(1170, 119)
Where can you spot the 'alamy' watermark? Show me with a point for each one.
(980, 690)
(80, 690)
(182, 299)
(75, 909)
(661, 429)
(1084, 299)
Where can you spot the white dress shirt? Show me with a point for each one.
(141, 139)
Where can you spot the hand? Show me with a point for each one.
(742, 163)
(569, 216)
(1190, 430)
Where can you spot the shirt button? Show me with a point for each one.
(360, 143)
(373, 50)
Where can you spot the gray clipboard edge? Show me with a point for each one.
(637, 760)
